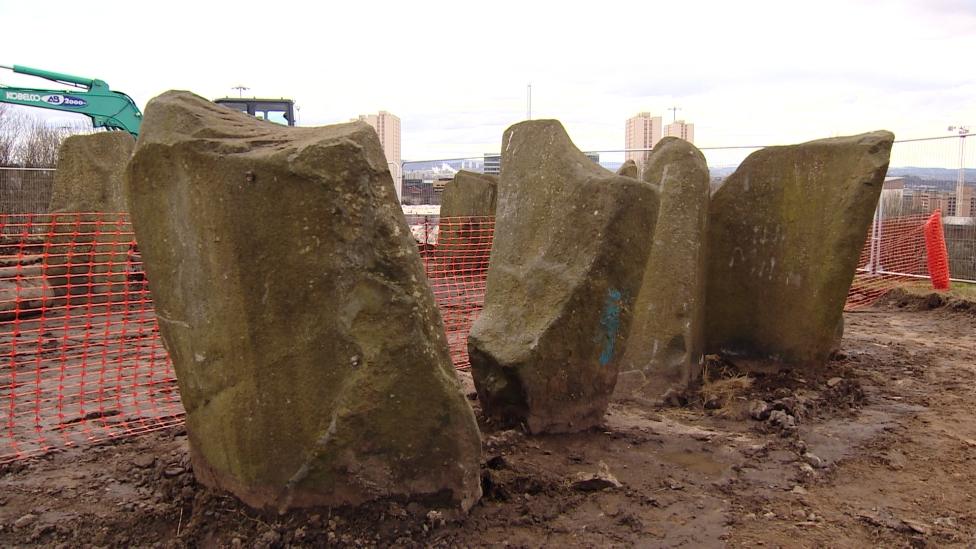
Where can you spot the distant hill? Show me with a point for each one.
(939, 174)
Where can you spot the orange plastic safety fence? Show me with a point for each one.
(894, 254)
(81, 360)
(455, 252)
(80, 357)
(938, 254)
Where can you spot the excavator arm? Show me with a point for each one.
(106, 108)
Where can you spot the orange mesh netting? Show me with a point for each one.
(81, 360)
(938, 254)
(895, 253)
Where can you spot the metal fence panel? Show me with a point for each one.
(25, 190)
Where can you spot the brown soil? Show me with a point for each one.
(877, 449)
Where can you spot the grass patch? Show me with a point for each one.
(962, 290)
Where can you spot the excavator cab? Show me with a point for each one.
(279, 111)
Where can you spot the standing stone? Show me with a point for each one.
(466, 224)
(87, 259)
(89, 173)
(310, 355)
(470, 194)
(666, 341)
(566, 264)
(629, 169)
(786, 230)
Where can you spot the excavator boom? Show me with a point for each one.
(106, 108)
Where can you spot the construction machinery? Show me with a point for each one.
(115, 110)
(93, 98)
(279, 111)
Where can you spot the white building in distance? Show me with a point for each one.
(681, 129)
(642, 131)
(387, 126)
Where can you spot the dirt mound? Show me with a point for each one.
(899, 298)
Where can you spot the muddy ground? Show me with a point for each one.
(876, 450)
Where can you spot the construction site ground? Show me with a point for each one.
(878, 449)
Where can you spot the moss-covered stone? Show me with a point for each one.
(571, 242)
(310, 354)
(786, 230)
(666, 338)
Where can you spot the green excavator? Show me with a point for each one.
(115, 110)
(106, 108)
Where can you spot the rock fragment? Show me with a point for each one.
(759, 410)
(593, 482)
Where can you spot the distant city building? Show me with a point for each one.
(642, 131)
(387, 127)
(493, 164)
(681, 129)
(921, 200)
(440, 183)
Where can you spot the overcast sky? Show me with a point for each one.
(745, 72)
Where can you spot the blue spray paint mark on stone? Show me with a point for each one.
(610, 322)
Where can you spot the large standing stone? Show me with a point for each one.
(470, 194)
(666, 340)
(786, 230)
(571, 243)
(310, 355)
(466, 224)
(91, 238)
(90, 171)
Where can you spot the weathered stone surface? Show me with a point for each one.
(89, 173)
(88, 181)
(666, 340)
(786, 230)
(310, 355)
(570, 248)
(470, 194)
(628, 169)
(466, 223)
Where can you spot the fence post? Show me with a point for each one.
(872, 257)
(879, 216)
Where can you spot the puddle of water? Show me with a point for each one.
(695, 461)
